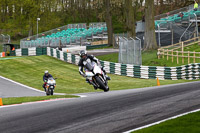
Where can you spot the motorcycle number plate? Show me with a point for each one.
(51, 86)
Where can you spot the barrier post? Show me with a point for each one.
(158, 82)
(1, 102)
(3, 54)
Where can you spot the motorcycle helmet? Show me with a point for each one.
(46, 72)
(83, 53)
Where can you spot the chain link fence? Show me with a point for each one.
(130, 51)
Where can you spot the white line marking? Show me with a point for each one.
(28, 86)
(21, 84)
(81, 96)
(152, 124)
(28, 103)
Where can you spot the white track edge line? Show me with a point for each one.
(21, 84)
(155, 123)
(31, 88)
(29, 103)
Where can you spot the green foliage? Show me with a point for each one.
(20, 20)
(1, 48)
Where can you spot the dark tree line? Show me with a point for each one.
(18, 17)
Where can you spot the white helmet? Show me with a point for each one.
(46, 72)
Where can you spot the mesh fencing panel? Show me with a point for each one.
(130, 51)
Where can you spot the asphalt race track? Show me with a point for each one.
(112, 112)
(10, 89)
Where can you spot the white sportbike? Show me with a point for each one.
(95, 75)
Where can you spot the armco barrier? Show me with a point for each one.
(189, 72)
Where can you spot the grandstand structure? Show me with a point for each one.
(171, 28)
(66, 36)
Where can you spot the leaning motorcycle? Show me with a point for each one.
(50, 86)
(95, 75)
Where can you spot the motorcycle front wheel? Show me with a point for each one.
(101, 84)
(51, 91)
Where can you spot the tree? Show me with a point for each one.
(109, 21)
(149, 37)
(130, 17)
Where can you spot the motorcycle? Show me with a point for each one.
(95, 75)
(50, 86)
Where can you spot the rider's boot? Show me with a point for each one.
(44, 88)
(91, 83)
(88, 81)
(107, 77)
(95, 87)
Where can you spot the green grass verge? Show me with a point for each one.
(109, 57)
(104, 47)
(30, 70)
(192, 48)
(18, 100)
(1, 48)
(149, 58)
(185, 124)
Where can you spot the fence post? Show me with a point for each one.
(194, 58)
(199, 40)
(177, 57)
(172, 36)
(188, 57)
(167, 54)
(182, 53)
(172, 56)
(163, 53)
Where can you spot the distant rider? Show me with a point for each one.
(84, 57)
(46, 76)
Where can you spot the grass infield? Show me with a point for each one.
(29, 71)
(149, 58)
(186, 124)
